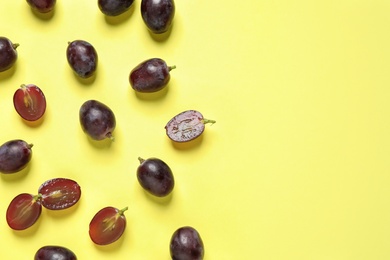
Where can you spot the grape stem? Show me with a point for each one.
(15, 45)
(122, 211)
(109, 135)
(207, 121)
(171, 67)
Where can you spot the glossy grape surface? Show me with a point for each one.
(186, 244)
(54, 253)
(155, 176)
(42, 6)
(150, 75)
(82, 58)
(23, 211)
(158, 14)
(8, 53)
(107, 226)
(30, 102)
(114, 7)
(14, 156)
(186, 126)
(97, 120)
(59, 193)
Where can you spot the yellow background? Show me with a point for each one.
(296, 167)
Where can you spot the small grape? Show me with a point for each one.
(186, 244)
(54, 253)
(158, 15)
(114, 7)
(30, 102)
(82, 58)
(42, 6)
(8, 53)
(23, 211)
(14, 156)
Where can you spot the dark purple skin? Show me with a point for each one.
(42, 6)
(150, 75)
(155, 176)
(14, 156)
(158, 15)
(8, 53)
(186, 244)
(114, 7)
(82, 58)
(54, 253)
(186, 126)
(97, 120)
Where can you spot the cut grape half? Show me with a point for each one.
(30, 102)
(59, 193)
(23, 211)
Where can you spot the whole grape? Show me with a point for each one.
(82, 58)
(14, 156)
(42, 6)
(8, 53)
(97, 120)
(54, 253)
(186, 244)
(158, 14)
(114, 7)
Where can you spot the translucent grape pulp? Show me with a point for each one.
(23, 211)
(59, 193)
(30, 102)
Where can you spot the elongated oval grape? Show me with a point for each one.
(186, 244)
(186, 126)
(59, 193)
(82, 58)
(23, 211)
(97, 120)
(30, 102)
(42, 6)
(8, 53)
(158, 14)
(155, 176)
(54, 253)
(14, 156)
(150, 75)
(107, 226)
(114, 7)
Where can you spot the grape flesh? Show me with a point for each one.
(97, 120)
(155, 176)
(114, 7)
(42, 6)
(14, 156)
(8, 53)
(59, 193)
(186, 126)
(158, 15)
(30, 102)
(54, 253)
(150, 75)
(107, 226)
(186, 244)
(23, 211)
(82, 58)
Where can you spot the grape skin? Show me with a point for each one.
(158, 15)
(8, 53)
(14, 156)
(54, 253)
(186, 244)
(82, 58)
(114, 7)
(42, 6)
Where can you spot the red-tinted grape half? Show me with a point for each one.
(54, 253)
(14, 156)
(186, 244)
(107, 226)
(42, 6)
(8, 53)
(155, 176)
(82, 58)
(23, 211)
(150, 75)
(158, 15)
(186, 126)
(59, 193)
(30, 102)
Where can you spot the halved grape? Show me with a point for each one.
(30, 102)
(23, 211)
(186, 244)
(14, 156)
(107, 225)
(186, 126)
(54, 253)
(59, 193)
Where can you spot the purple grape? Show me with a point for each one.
(158, 15)
(54, 253)
(97, 120)
(155, 176)
(82, 58)
(186, 126)
(114, 7)
(186, 244)
(8, 53)
(42, 6)
(150, 75)
(14, 156)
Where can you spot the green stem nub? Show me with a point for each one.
(171, 67)
(208, 121)
(123, 210)
(141, 160)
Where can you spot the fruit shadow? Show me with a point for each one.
(101, 144)
(161, 37)
(183, 146)
(8, 73)
(113, 246)
(153, 95)
(34, 124)
(9, 177)
(159, 200)
(29, 232)
(86, 81)
(118, 19)
(43, 16)
(61, 213)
